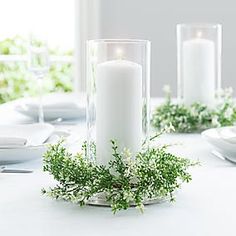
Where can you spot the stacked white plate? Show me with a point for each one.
(20, 143)
(65, 106)
(223, 141)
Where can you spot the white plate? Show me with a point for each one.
(222, 139)
(53, 113)
(73, 108)
(23, 154)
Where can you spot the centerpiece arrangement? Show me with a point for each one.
(118, 166)
(200, 101)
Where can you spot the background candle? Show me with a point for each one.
(199, 71)
(118, 107)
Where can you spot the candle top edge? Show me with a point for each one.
(199, 25)
(198, 40)
(119, 62)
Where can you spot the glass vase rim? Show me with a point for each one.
(199, 25)
(119, 40)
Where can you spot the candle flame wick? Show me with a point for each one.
(199, 34)
(119, 53)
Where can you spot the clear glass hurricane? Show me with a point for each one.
(118, 92)
(199, 51)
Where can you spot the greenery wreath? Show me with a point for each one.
(196, 117)
(153, 173)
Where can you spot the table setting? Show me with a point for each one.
(117, 159)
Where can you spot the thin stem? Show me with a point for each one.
(40, 100)
(156, 135)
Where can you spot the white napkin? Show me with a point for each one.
(24, 135)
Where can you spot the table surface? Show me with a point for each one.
(204, 207)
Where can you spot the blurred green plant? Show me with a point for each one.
(197, 116)
(16, 81)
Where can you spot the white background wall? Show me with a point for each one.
(156, 20)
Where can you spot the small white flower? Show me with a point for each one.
(127, 154)
(166, 89)
(229, 91)
(193, 112)
(169, 128)
(225, 94)
(215, 121)
(228, 113)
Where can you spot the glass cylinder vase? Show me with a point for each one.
(118, 92)
(199, 49)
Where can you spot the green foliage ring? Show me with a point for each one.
(153, 173)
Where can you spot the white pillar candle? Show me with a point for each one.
(199, 71)
(118, 107)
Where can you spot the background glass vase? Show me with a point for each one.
(38, 64)
(199, 49)
(118, 93)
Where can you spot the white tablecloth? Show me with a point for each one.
(205, 207)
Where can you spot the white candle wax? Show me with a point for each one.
(118, 107)
(199, 71)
